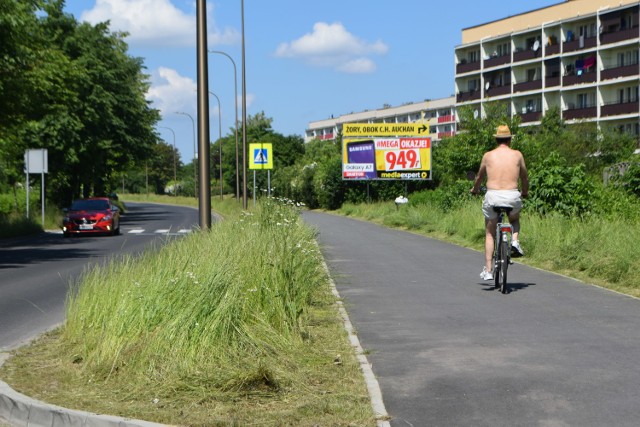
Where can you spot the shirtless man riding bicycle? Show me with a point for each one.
(503, 167)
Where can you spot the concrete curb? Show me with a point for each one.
(373, 387)
(20, 410)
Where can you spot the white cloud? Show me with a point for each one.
(358, 66)
(156, 23)
(171, 92)
(332, 45)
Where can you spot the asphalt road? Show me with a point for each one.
(36, 271)
(449, 350)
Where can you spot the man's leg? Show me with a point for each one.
(514, 219)
(515, 243)
(490, 229)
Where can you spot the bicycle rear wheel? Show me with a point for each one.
(503, 251)
(497, 265)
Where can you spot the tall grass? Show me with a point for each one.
(14, 225)
(219, 310)
(601, 249)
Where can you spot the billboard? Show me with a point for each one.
(381, 157)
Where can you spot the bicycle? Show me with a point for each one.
(502, 248)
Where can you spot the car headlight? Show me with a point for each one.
(66, 219)
(106, 218)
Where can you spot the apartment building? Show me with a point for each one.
(579, 55)
(438, 114)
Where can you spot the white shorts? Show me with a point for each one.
(510, 198)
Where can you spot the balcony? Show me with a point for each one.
(524, 55)
(530, 85)
(551, 81)
(447, 118)
(442, 135)
(615, 72)
(530, 116)
(574, 79)
(552, 49)
(498, 90)
(494, 61)
(325, 137)
(579, 43)
(579, 113)
(466, 67)
(620, 35)
(619, 108)
(468, 96)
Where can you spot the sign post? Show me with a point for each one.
(36, 161)
(260, 158)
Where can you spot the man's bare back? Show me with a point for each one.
(503, 166)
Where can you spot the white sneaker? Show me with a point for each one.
(486, 275)
(516, 250)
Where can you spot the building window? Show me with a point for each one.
(587, 30)
(626, 21)
(586, 100)
(533, 74)
(504, 49)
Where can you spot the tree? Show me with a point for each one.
(73, 90)
(161, 166)
(20, 56)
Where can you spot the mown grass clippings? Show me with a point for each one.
(233, 326)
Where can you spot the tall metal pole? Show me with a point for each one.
(235, 85)
(203, 116)
(244, 117)
(220, 143)
(195, 155)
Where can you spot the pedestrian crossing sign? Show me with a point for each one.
(260, 156)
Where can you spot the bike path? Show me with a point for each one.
(449, 350)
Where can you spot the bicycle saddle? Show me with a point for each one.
(507, 209)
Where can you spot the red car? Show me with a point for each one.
(91, 216)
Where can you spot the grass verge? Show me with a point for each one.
(234, 326)
(602, 251)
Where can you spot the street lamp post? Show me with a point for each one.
(203, 115)
(175, 172)
(195, 154)
(244, 115)
(220, 140)
(235, 85)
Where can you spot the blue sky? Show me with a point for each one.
(305, 60)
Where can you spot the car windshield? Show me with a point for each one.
(90, 205)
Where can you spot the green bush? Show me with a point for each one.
(612, 202)
(444, 197)
(630, 179)
(556, 187)
(328, 184)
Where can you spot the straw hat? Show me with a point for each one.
(503, 132)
